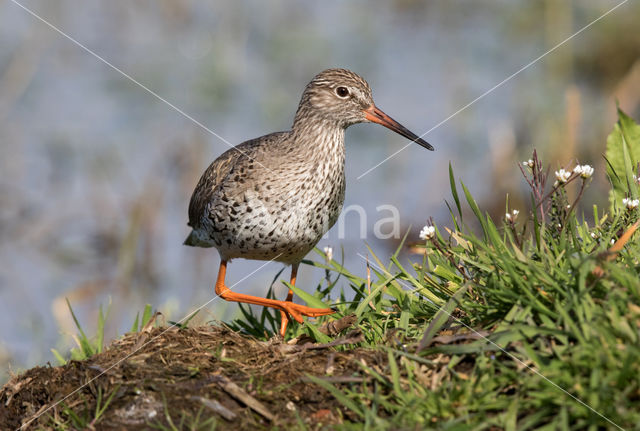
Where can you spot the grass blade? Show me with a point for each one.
(441, 317)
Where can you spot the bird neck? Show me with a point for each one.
(318, 133)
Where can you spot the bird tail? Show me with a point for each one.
(195, 240)
(191, 240)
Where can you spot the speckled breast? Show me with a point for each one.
(280, 218)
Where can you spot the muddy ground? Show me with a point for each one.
(166, 375)
(172, 375)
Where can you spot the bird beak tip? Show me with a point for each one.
(375, 115)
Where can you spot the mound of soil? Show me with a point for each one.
(171, 375)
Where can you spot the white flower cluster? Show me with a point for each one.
(528, 164)
(585, 171)
(512, 216)
(562, 176)
(427, 232)
(631, 204)
(328, 251)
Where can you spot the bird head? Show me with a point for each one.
(343, 98)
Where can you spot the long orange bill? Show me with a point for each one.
(376, 115)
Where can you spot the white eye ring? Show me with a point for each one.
(342, 92)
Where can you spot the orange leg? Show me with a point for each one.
(284, 318)
(294, 310)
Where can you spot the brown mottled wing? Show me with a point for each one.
(208, 183)
(213, 178)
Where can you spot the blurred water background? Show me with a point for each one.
(96, 174)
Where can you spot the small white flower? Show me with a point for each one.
(528, 164)
(636, 179)
(568, 207)
(594, 235)
(585, 171)
(512, 216)
(328, 251)
(515, 212)
(562, 176)
(427, 232)
(613, 241)
(630, 203)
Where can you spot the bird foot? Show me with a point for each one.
(297, 311)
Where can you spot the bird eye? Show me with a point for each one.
(342, 92)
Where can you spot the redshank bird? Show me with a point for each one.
(274, 197)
